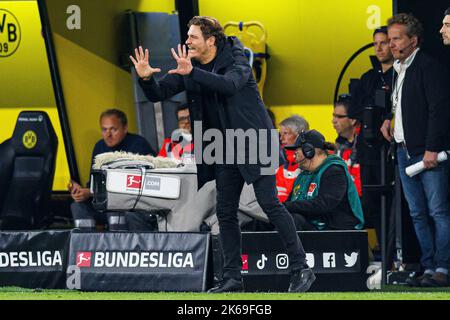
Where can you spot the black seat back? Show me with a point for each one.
(33, 147)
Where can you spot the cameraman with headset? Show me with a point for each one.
(324, 196)
(371, 105)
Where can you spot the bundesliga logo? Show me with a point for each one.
(83, 259)
(245, 262)
(133, 182)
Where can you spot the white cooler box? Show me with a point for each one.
(169, 190)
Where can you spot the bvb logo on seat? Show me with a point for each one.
(29, 139)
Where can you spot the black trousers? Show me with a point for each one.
(302, 224)
(371, 200)
(229, 183)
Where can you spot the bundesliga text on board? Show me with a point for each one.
(126, 259)
(14, 259)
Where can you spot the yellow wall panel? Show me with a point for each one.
(156, 6)
(92, 80)
(24, 76)
(91, 85)
(309, 42)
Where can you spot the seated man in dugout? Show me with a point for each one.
(290, 128)
(324, 196)
(180, 145)
(251, 216)
(347, 130)
(115, 137)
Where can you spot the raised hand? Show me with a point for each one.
(184, 65)
(143, 68)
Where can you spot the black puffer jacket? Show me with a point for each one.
(235, 97)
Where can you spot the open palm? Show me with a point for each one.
(141, 64)
(184, 65)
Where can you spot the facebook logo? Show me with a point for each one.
(329, 260)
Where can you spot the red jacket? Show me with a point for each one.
(174, 150)
(286, 175)
(347, 151)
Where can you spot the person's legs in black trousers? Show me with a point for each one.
(371, 199)
(266, 194)
(301, 224)
(229, 183)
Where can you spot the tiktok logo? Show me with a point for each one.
(261, 262)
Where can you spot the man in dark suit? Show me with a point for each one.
(420, 104)
(223, 95)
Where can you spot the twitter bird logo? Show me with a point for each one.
(350, 260)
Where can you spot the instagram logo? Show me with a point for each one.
(282, 261)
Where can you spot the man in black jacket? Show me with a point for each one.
(223, 95)
(377, 78)
(370, 105)
(445, 30)
(420, 103)
(115, 137)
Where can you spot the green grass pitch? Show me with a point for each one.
(387, 293)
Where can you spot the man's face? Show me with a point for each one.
(381, 46)
(341, 122)
(445, 30)
(401, 45)
(199, 48)
(287, 135)
(184, 122)
(113, 131)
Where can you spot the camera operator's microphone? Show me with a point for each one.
(303, 160)
(402, 51)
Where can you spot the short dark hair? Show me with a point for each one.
(382, 29)
(447, 12)
(181, 107)
(344, 100)
(115, 112)
(210, 28)
(413, 25)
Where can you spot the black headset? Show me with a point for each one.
(307, 148)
